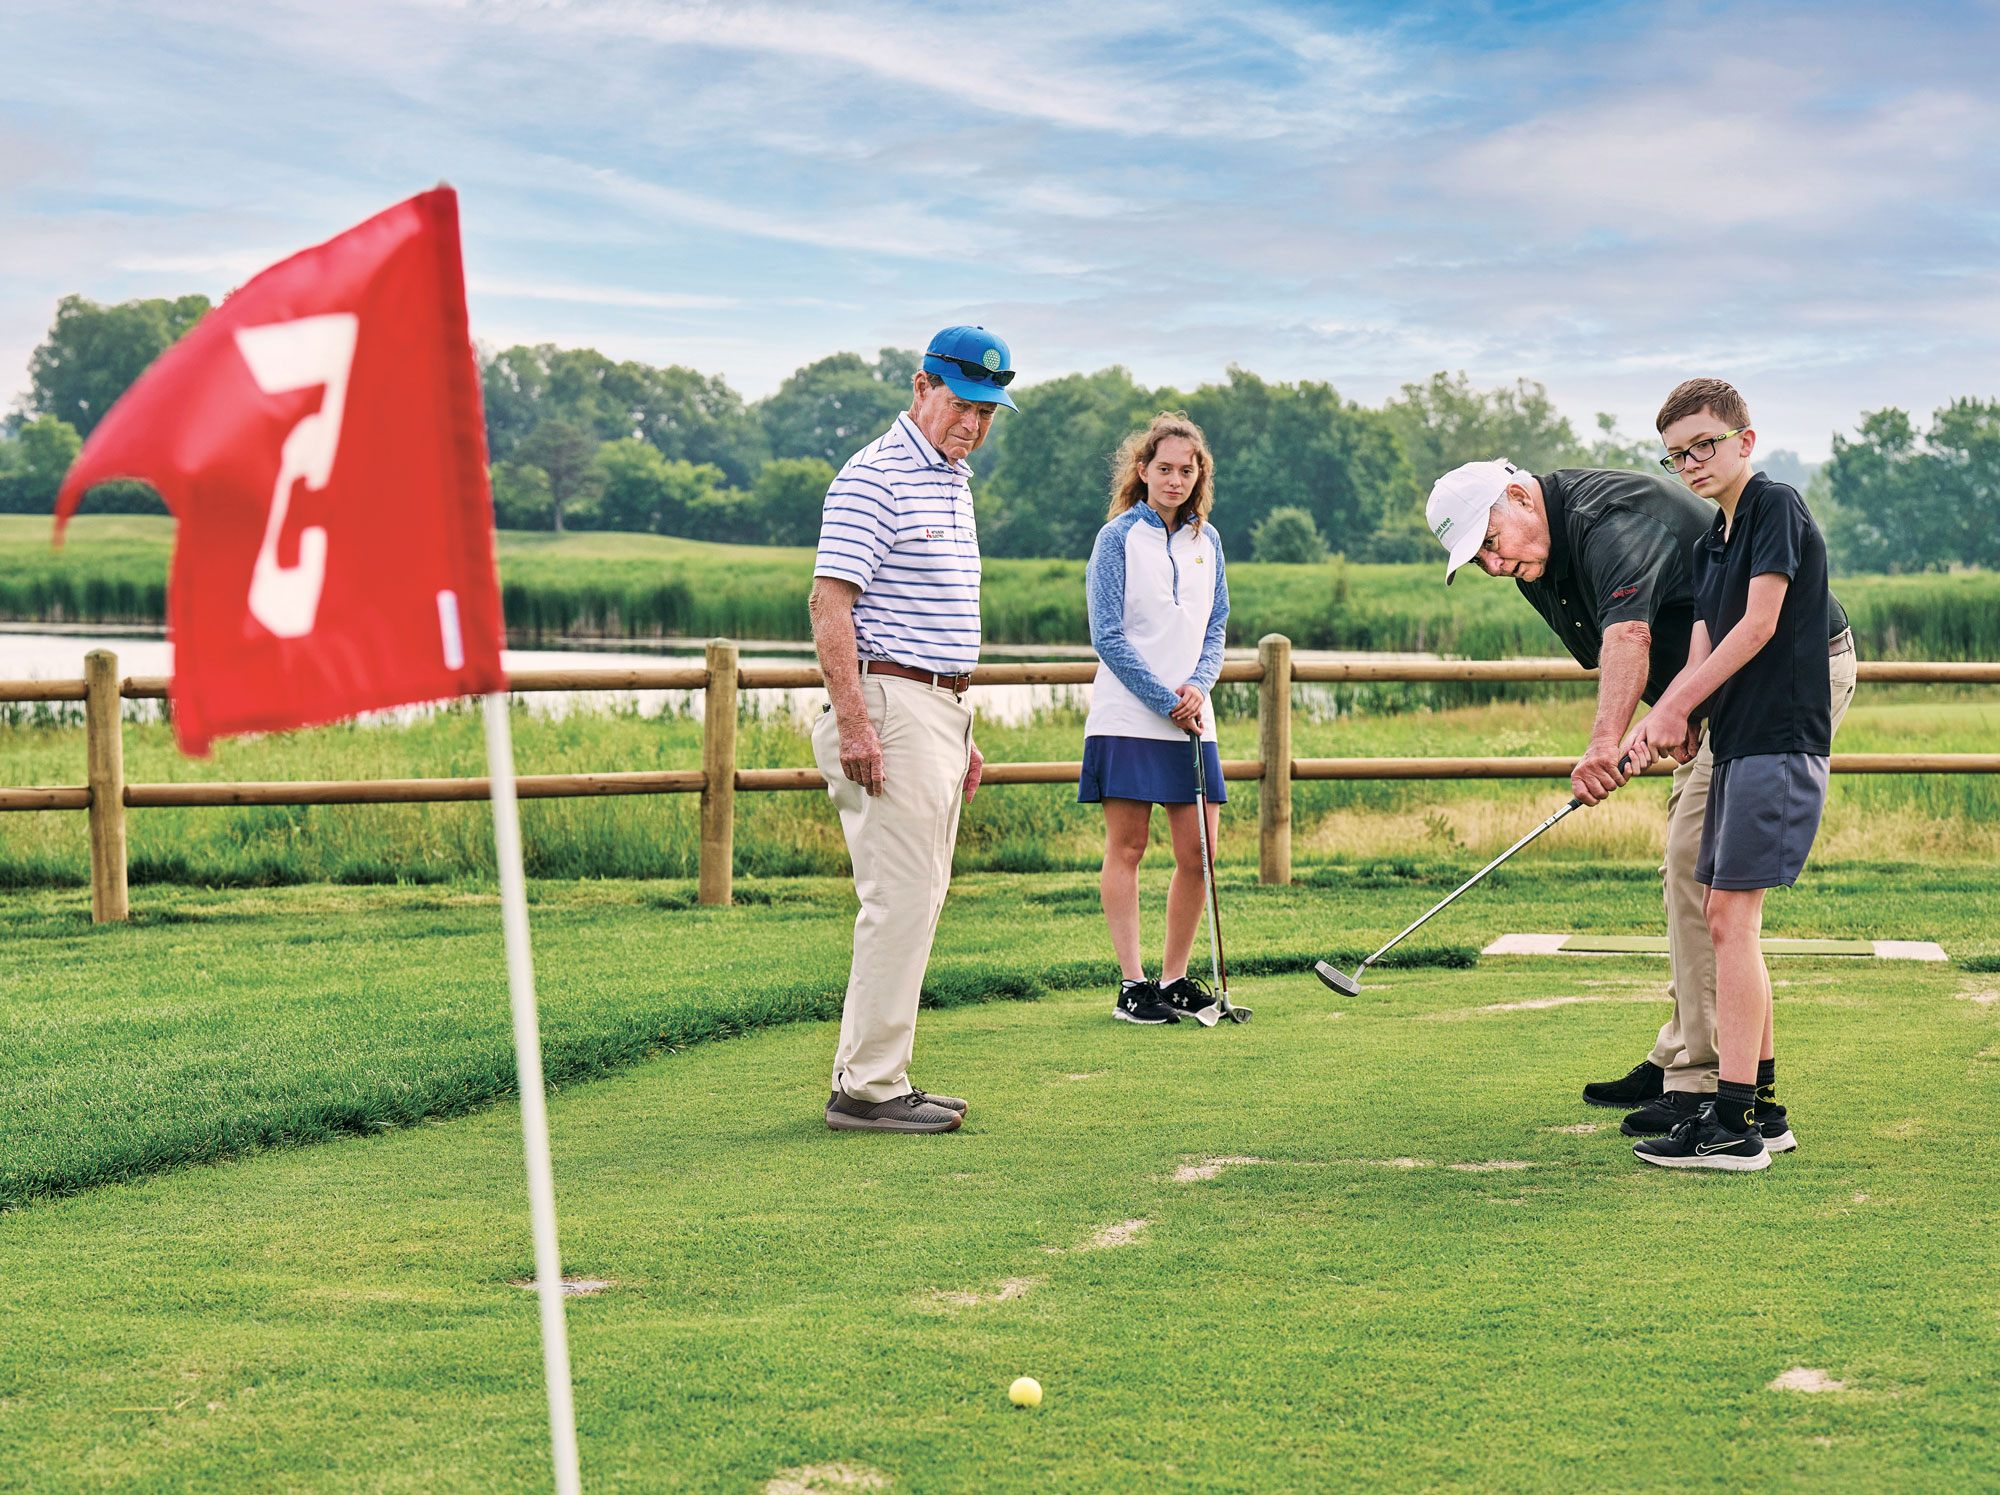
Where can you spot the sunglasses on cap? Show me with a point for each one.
(979, 373)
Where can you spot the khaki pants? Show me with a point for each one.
(1686, 1046)
(900, 842)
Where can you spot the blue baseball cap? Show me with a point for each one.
(974, 364)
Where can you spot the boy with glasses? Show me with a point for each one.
(1757, 664)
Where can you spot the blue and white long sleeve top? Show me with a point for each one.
(1159, 607)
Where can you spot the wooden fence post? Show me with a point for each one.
(104, 749)
(1274, 751)
(718, 764)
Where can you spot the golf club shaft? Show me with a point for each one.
(1215, 965)
(1446, 902)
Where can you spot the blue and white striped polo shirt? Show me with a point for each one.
(898, 524)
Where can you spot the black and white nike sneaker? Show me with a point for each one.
(1193, 997)
(1774, 1127)
(1703, 1142)
(1139, 1002)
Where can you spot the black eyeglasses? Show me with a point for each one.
(977, 372)
(1697, 451)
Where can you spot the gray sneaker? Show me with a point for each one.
(949, 1102)
(914, 1112)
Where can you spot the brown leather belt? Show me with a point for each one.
(956, 684)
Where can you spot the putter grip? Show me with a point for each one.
(1624, 766)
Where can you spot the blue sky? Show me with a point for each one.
(1802, 198)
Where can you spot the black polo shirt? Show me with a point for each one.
(1779, 701)
(1619, 546)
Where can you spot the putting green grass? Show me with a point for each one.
(219, 1023)
(1442, 1273)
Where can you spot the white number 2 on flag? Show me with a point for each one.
(285, 356)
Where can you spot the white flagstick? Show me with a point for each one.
(534, 1105)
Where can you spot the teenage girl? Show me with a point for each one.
(1158, 604)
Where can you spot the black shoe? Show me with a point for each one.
(1774, 1127)
(1703, 1142)
(1191, 996)
(1139, 1002)
(1666, 1113)
(1644, 1083)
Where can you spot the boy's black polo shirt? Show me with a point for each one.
(1779, 701)
(1619, 546)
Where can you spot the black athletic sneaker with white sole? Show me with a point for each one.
(1644, 1083)
(1774, 1127)
(1703, 1142)
(1193, 997)
(1139, 1002)
(1666, 1113)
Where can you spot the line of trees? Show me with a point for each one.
(580, 441)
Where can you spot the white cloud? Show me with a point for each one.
(593, 295)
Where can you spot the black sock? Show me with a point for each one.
(1767, 1082)
(1733, 1104)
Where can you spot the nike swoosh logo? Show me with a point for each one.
(1703, 1149)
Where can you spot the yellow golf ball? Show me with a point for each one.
(1025, 1392)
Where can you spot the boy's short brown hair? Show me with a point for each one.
(1692, 396)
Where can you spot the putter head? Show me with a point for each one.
(1347, 986)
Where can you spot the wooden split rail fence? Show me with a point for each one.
(106, 795)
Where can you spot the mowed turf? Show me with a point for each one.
(1354, 1309)
(1371, 1303)
(220, 1023)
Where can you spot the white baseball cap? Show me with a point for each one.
(1460, 502)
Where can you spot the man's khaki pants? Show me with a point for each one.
(1686, 1046)
(901, 842)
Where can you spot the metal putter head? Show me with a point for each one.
(1346, 985)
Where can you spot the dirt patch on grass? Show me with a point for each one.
(1491, 1165)
(826, 1479)
(1537, 1004)
(1581, 1129)
(1009, 1288)
(1191, 1173)
(573, 1287)
(1124, 1233)
(1803, 1378)
(1983, 994)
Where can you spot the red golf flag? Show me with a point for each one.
(320, 439)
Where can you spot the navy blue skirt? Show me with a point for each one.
(1149, 769)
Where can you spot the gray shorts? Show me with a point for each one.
(1763, 813)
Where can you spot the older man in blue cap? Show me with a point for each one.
(895, 611)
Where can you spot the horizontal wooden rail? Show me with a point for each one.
(1493, 670)
(1560, 768)
(1074, 672)
(56, 797)
(409, 791)
(692, 780)
(41, 690)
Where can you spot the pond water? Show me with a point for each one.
(59, 656)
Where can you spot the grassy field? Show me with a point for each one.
(1015, 828)
(114, 567)
(1375, 1243)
